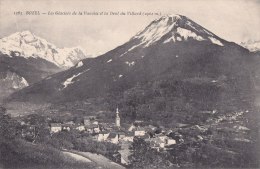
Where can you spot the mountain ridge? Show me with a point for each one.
(190, 58)
(26, 44)
(253, 46)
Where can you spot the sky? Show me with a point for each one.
(232, 20)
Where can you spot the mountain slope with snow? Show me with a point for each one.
(175, 28)
(253, 46)
(19, 72)
(26, 44)
(171, 48)
(10, 82)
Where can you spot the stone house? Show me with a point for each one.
(129, 136)
(103, 135)
(92, 128)
(66, 127)
(80, 127)
(55, 127)
(113, 138)
(139, 131)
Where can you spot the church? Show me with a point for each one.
(117, 118)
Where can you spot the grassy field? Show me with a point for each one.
(23, 155)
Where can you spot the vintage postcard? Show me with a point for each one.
(130, 84)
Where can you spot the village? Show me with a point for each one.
(116, 133)
(119, 141)
(123, 135)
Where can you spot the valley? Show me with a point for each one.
(174, 95)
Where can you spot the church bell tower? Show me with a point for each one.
(117, 118)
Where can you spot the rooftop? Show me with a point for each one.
(104, 132)
(55, 124)
(112, 135)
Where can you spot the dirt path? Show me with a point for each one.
(77, 157)
(100, 160)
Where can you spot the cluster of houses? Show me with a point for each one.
(124, 134)
(90, 124)
(115, 133)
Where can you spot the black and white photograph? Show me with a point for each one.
(129, 84)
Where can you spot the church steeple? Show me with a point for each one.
(117, 118)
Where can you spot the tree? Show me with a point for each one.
(8, 126)
(145, 157)
(8, 134)
(133, 98)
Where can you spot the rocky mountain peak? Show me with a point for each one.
(172, 28)
(26, 44)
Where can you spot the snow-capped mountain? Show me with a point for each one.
(253, 46)
(26, 44)
(19, 72)
(172, 28)
(171, 47)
